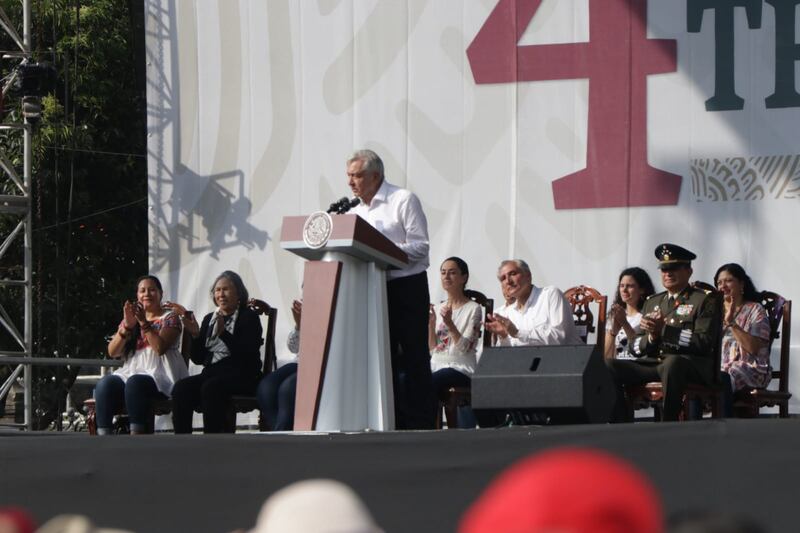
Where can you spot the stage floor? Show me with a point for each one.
(411, 481)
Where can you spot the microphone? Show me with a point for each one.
(337, 205)
(350, 204)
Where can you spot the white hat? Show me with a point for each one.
(73, 523)
(315, 506)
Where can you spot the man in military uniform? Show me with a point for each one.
(679, 332)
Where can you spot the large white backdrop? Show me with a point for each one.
(255, 105)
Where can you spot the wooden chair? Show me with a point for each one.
(703, 286)
(747, 403)
(488, 308)
(120, 423)
(652, 394)
(580, 298)
(245, 404)
(160, 407)
(462, 396)
(239, 404)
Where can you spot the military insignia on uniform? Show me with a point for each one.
(684, 310)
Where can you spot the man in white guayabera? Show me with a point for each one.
(537, 316)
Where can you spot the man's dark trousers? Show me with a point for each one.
(414, 401)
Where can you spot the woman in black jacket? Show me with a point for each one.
(227, 345)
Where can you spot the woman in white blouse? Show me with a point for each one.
(622, 324)
(453, 330)
(147, 340)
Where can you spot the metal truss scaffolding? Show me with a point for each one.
(15, 203)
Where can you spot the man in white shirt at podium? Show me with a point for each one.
(397, 214)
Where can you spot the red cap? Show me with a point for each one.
(568, 490)
(18, 518)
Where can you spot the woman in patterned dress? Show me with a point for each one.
(746, 333)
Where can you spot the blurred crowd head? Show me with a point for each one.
(567, 491)
(315, 506)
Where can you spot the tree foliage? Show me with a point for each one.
(89, 180)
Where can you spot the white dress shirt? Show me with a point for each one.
(546, 318)
(397, 214)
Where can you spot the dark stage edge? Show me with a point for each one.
(412, 481)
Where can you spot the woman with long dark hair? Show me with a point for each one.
(746, 333)
(453, 331)
(227, 345)
(622, 325)
(148, 340)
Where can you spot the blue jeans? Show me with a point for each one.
(696, 407)
(446, 378)
(136, 396)
(275, 395)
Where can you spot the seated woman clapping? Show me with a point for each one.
(622, 324)
(227, 345)
(147, 339)
(276, 392)
(453, 331)
(746, 333)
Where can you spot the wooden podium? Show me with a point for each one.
(344, 378)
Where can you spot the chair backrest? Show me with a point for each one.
(579, 298)
(488, 308)
(718, 301)
(703, 286)
(263, 308)
(779, 312)
(186, 344)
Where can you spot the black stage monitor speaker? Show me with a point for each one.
(561, 384)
